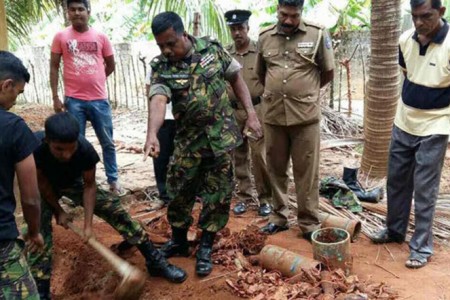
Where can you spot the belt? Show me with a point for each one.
(238, 104)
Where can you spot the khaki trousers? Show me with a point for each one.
(302, 144)
(242, 170)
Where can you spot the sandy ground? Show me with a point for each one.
(80, 273)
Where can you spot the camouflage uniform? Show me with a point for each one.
(340, 195)
(107, 207)
(206, 132)
(16, 281)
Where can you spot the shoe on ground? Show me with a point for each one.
(117, 189)
(416, 262)
(240, 208)
(160, 267)
(272, 228)
(383, 237)
(264, 210)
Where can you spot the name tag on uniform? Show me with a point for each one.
(305, 45)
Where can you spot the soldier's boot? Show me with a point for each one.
(157, 265)
(178, 245)
(351, 180)
(204, 266)
(43, 287)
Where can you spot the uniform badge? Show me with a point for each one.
(234, 17)
(206, 60)
(182, 82)
(305, 45)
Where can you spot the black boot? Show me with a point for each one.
(157, 265)
(203, 266)
(43, 287)
(351, 180)
(178, 245)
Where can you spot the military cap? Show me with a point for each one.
(237, 16)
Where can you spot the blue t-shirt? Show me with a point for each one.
(63, 175)
(17, 142)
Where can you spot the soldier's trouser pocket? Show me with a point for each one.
(16, 281)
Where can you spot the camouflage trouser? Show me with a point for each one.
(16, 281)
(107, 207)
(209, 178)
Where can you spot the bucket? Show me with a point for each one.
(287, 262)
(331, 246)
(353, 227)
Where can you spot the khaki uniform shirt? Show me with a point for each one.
(292, 66)
(247, 60)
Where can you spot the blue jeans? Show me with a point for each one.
(98, 112)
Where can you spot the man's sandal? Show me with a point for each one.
(416, 261)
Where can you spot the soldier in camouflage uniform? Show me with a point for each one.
(66, 167)
(191, 72)
(16, 158)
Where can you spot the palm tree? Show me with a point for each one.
(212, 16)
(3, 27)
(383, 86)
(20, 16)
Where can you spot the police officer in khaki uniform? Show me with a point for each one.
(295, 60)
(244, 51)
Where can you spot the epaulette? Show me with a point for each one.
(268, 28)
(313, 24)
(156, 60)
(212, 40)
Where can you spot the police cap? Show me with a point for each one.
(237, 16)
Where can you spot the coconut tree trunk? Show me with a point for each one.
(3, 27)
(383, 86)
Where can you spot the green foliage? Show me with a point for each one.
(21, 15)
(354, 16)
(212, 19)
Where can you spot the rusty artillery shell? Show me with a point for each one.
(287, 262)
(353, 227)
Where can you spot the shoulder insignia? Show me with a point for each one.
(157, 60)
(313, 24)
(212, 40)
(266, 29)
